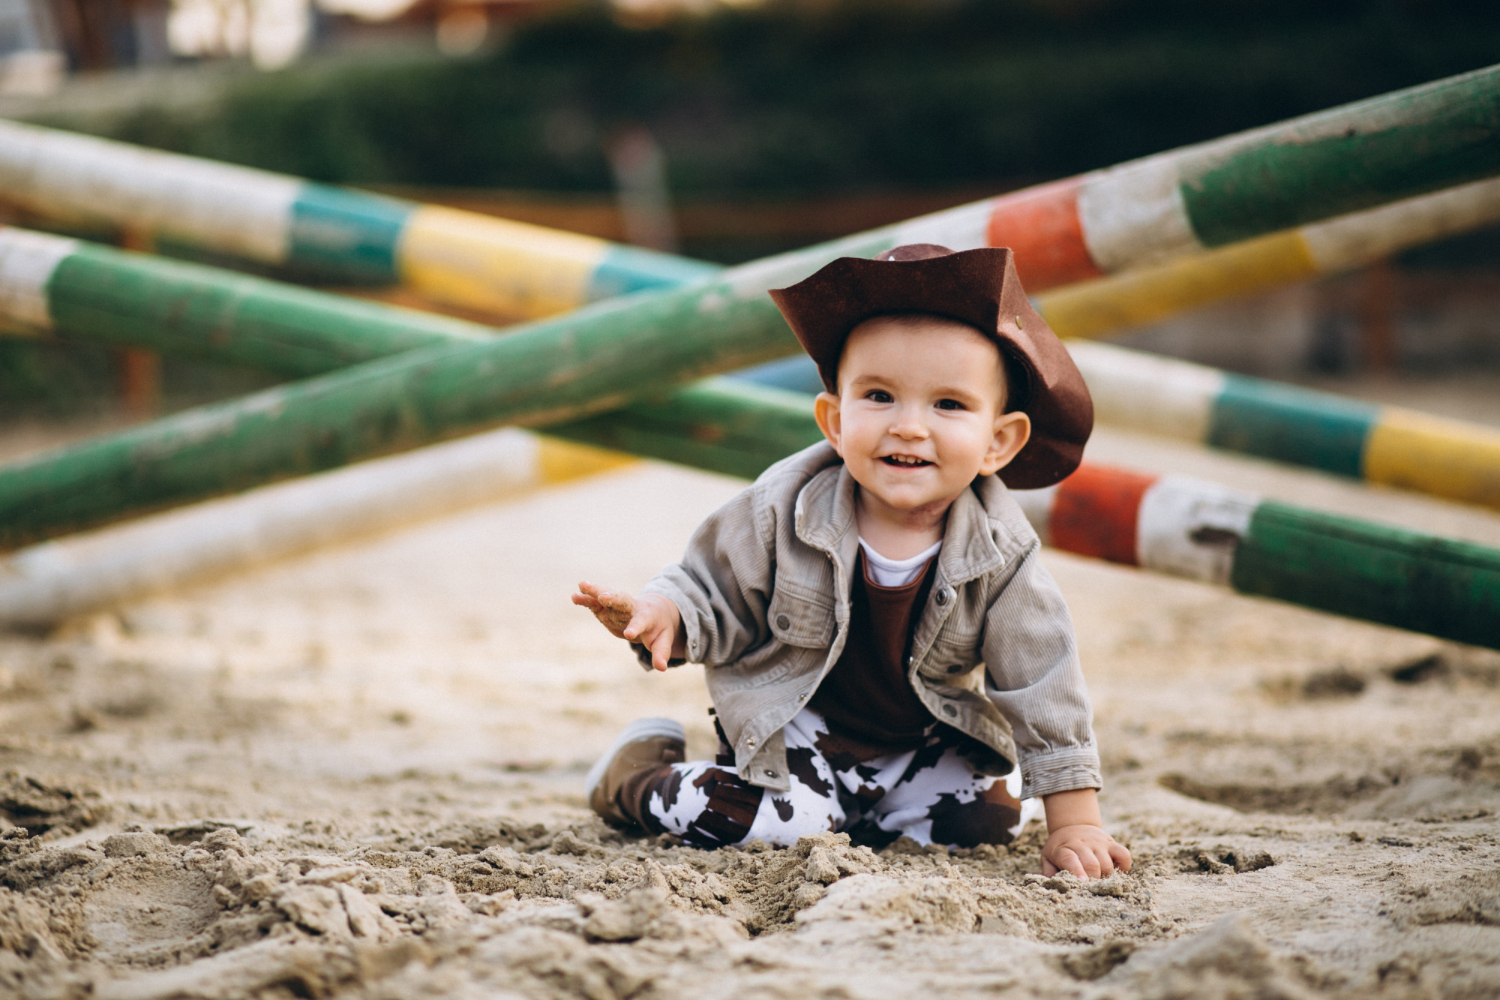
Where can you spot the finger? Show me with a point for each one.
(606, 598)
(1089, 862)
(617, 600)
(661, 649)
(1048, 868)
(1104, 861)
(585, 601)
(1120, 854)
(638, 623)
(1068, 861)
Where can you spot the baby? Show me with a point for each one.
(885, 653)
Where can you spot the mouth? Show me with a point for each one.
(904, 461)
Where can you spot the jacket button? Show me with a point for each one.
(783, 622)
(942, 597)
(956, 668)
(949, 710)
(750, 743)
(770, 773)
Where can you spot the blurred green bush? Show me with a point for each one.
(801, 97)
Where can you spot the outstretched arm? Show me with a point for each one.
(1076, 840)
(651, 620)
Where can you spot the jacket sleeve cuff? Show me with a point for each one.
(1060, 771)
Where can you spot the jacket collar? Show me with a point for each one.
(825, 520)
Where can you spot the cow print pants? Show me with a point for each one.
(932, 794)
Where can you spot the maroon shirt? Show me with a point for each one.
(867, 696)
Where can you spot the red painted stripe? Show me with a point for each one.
(1094, 513)
(1041, 225)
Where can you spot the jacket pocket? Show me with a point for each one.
(956, 651)
(799, 621)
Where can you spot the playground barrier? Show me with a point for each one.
(48, 583)
(1319, 166)
(134, 300)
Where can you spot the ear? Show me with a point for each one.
(1012, 431)
(830, 420)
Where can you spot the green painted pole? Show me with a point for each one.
(596, 359)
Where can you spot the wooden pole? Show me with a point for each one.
(45, 584)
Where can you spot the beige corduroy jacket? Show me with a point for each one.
(764, 596)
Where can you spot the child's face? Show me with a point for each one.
(919, 411)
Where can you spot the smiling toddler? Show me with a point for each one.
(885, 652)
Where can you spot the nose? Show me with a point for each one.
(909, 424)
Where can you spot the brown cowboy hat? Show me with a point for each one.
(977, 287)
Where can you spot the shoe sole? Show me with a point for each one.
(640, 729)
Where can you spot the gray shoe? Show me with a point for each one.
(644, 743)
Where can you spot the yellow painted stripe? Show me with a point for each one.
(560, 461)
(494, 265)
(1133, 298)
(1447, 458)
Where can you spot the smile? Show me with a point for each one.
(904, 461)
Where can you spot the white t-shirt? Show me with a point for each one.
(895, 572)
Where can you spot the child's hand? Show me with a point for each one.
(1077, 842)
(651, 620)
(1085, 850)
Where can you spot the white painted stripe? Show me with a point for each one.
(961, 228)
(1144, 392)
(46, 583)
(27, 261)
(1134, 214)
(966, 227)
(1037, 506)
(1355, 240)
(234, 209)
(1187, 527)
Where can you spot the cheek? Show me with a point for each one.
(860, 431)
(964, 439)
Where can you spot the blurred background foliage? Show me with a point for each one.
(810, 98)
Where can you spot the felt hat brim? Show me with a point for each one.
(976, 287)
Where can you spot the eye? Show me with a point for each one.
(950, 404)
(879, 396)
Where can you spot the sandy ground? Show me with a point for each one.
(359, 775)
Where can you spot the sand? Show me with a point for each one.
(358, 774)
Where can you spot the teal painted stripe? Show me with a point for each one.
(346, 235)
(1389, 147)
(794, 374)
(1395, 577)
(1289, 424)
(627, 269)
